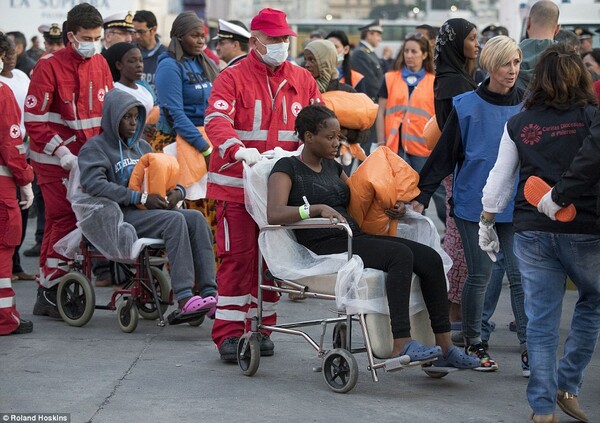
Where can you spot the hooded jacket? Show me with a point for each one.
(106, 161)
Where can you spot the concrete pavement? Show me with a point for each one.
(173, 374)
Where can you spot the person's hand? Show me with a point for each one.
(207, 160)
(156, 202)
(26, 196)
(397, 211)
(174, 197)
(488, 240)
(329, 213)
(249, 155)
(418, 207)
(547, 206)
(67, 159)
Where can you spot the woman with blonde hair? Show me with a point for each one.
(468, 147)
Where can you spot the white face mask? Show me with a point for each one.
(340, 58)
(1, 65)
(88, 48)
(276, 53)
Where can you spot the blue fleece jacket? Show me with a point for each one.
(183, 90)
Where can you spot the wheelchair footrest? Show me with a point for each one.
(434, 369)
(402, 362)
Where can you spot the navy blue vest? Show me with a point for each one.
(481, 125)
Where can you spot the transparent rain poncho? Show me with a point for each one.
(100, 220)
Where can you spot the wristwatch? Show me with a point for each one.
(485, 221)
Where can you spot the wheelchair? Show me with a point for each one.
(146, 290)
(339, 366)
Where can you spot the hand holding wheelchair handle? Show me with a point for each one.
(156, 201)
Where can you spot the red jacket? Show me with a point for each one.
(251, 106)
(64, 107)
(14, 170)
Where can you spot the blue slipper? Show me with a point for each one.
(458, 359)
(419, 352)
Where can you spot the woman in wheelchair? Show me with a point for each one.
(316, 179)
(106, 162)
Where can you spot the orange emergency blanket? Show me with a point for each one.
(155, 173)
(192, 165)
(353, 110)
(431, 133)
(378, 183)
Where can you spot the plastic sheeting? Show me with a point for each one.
(356, 290)
(100, 220)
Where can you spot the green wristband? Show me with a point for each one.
(304, 211)
(207, 151)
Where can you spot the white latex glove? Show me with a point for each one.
(67, 159)
(488, 240)
(249, 155)
(26, 196)
(547, 206)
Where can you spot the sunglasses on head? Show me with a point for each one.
(414, 36)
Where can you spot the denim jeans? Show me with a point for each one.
(492, 295)
(545, 259)
(479, 268)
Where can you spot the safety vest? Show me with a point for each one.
(411, 113)
(356, 78)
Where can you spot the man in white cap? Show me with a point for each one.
(118, 28)
(53, 37)
(365, 61)
(232, 41)
(252, 109)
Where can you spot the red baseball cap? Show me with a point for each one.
(272, 22)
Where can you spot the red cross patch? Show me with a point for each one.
(15, 131)
(30, 101)
(296, 107)
(101, 94)
(221, 105)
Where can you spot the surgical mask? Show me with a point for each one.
(88, 48)
(276, 53)
(340, 58)
(1, 65)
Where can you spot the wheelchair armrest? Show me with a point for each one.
(315, 223)
(312, 223)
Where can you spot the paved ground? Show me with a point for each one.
(173, 374)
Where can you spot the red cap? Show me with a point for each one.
(272, 22)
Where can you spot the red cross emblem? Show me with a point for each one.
(296, 107)
(15, 131)
(101, 94)
(30, 101)
(221, 105)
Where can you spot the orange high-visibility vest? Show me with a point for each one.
(412, 114)
(356, 78)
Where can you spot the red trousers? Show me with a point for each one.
(60, 220)
(10, 237)
(237, 276)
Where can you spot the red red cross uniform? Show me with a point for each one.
(14, 172)
(63, 108)
(252, 107)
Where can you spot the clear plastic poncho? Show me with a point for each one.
(100, 220)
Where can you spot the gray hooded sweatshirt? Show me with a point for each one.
(106, 161)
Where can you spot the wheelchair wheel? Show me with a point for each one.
(339, 335)
(163, 288)
(197, 322)
(340, 370)
(127, 315)
(248, 352)
(76, 299)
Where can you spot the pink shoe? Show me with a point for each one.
(194, 308)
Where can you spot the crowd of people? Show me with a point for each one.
(105, 91)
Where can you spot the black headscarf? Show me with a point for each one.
(451, 78)
(184, 23)
(114, 54)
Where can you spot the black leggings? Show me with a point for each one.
(400, 258)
